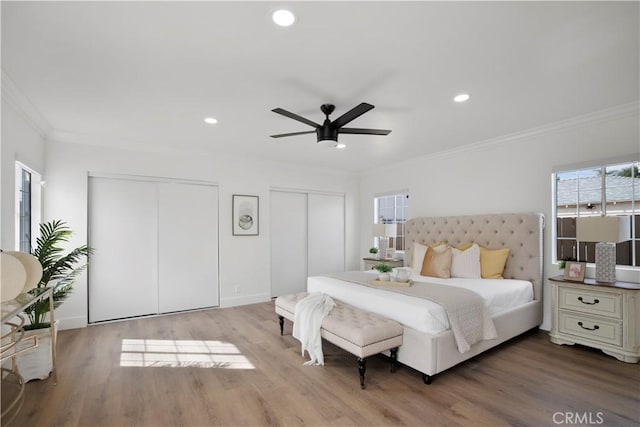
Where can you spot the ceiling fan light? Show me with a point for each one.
(283, 17)
(329, 143)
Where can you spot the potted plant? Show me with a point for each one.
(383, 272)
(59, 271)
(563, 262)
(374, 251)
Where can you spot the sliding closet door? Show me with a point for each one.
(123, 233)
(188, 246)
(326, 234)
(288, 243)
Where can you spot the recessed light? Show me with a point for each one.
(462, 97)
(341, 145)
(283, 17)
(210, 120)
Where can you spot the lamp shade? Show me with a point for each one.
(390, 230)
(613, 229)
(378, 230)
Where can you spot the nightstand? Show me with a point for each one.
(369, 263)
(596, 314)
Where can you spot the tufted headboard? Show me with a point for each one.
(521, 233)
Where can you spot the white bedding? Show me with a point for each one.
(422, 315)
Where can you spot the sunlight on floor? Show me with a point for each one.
(181, 354)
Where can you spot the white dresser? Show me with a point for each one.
(600, 315)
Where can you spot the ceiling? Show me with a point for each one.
(146, 74)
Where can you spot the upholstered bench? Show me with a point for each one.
(359, 332)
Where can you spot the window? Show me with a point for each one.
(612, 190)
(392, 209)
(27, 206)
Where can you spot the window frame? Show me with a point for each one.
(398, 242)
(35, 205)
(634, 214)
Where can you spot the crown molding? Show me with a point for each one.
(13, 96)
(613, 113)
(631, 109)
(117, 143)
(109, 143)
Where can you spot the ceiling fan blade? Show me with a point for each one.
(352, 114)
(292, 134)
(365, 131)
(295, 117)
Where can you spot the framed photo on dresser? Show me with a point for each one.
(390, 253)
(574, 271)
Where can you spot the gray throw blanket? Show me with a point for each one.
(465, 309)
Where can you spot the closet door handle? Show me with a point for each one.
(595, 301)
(595, 327)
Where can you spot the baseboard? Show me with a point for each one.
(72, 322)
(81, 321)
(244, 300)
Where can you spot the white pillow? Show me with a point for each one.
(466, 264)
(419, 250)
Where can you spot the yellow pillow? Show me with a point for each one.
(465, 247)
(439, 246)
(437, 264)
(492, 262)
(419, 250)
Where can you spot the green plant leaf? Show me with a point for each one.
(383, 268)
(58, 270)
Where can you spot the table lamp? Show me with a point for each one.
(383, 232)
(607, 231)
(377, 230)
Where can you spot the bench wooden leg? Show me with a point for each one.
(362, 367)
(281, 320)
(394, 359)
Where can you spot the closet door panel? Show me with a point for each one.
(188, 247)
(123, 233)
(288, 243)
(326, 234)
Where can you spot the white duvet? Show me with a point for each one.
(500, 295)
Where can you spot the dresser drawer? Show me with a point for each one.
(593, 302)
(593, 328)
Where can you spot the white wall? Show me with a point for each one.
(244, 261)
(22, 141)
(510, 175)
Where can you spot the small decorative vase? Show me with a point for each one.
(384, 277)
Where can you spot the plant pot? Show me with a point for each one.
(384, 277)
(36, 363)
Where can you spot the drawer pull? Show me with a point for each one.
(595, 301)
(595, 327)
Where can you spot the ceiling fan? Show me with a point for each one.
(327, 132)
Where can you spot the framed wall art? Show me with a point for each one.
(245, 215)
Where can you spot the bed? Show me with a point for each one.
(429, 346)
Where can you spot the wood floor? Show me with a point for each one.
(525, 382)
